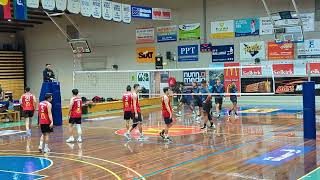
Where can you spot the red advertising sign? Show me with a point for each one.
(161, 14)
(251, 71)
(314, 68)
(280, 51)
(283, 69)
(231, 73)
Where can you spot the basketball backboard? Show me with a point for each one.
(79, 46)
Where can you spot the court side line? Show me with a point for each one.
(309, 173)
(211, 154)
(77, 160)
(89, 157)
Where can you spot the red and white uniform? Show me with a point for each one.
(76, 109)
(165, 112)
(137, 105)
(43, 113)
(27, 102)
(127, 102)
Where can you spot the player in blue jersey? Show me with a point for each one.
(218, 89)
(233, 99)
(207, 105)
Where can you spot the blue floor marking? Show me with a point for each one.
(211, 154)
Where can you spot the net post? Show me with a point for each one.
(309, 110)
(309, 71)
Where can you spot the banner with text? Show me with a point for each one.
(256, 85)
(143, 79)
(280, 51)
(293, 85)
(146, 54)
(141, 12)
(167, 33)
(222, 53)
(309, 49)
(193, 76)
(188, 53)
(247, 27)
(283, 70)
(161, 14)
(252, 50)
(222, 29)
(145, 35)
(231, 74)
(189, 31)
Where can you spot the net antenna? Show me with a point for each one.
(287, 25)
(80, 45)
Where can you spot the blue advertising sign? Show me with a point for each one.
(247, 27)
(281, 155)
(188, 53)
(167, 33)
(222, 53)
(141, 12)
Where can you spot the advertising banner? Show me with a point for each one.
(280, 51)
(188, 53)
(309, 49)
(126, 13)
(189, 31)
(107, 12)
(193, 76)
(231, 74)
(141, 12)
(161, 14)
(223, 53)
(256, 85)
(247, 27)
(222, 29)
(146, 54)
(167, 33)
(283, 69)
(252, 50)
(145, 35)
(116, 12)
(143, 79)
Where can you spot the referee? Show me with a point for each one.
(48, 74)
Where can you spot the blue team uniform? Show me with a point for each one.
(233, 98)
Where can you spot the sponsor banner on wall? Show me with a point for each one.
(189, 31)
(280, 51)
(256, 85)
(222, 53)
(247, 27)
(193, 76)
(161, 14)
(107, 12)
(283, 69)
(35, 3)
(188, 53)
(116, 12)
(266, 26)
(126, 13)
(248, 71)
(20, 9)
(222, 29)
(314, 68)
(145, 35)
(145, 54)
(167, 33)
(96, 8)
(143, 79)
(309, 49)
(141, 12)
(86, 8)
(231, 74)
(73, 6)
(252, 50)
(60, 4)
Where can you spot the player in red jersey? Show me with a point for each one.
(127, 106)
(28, 102)
(75, 114)
(137, 118)
(46, 122)
(166, 113)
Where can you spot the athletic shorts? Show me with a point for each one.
(167, 120)
(127, 115)
(233, 99)
(137, 120)
(75, 120)
(28, 113)
(197, 103)
(207, 107)
(45, 128)
(218, 100)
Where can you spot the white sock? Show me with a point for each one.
(27, 124)
(79, 130)
(41, 144)
(46, 146)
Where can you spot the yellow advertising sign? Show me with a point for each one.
(146, 54)
(3, 2)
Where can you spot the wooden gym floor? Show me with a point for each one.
(263, 143)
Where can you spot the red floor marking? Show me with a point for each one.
(154, 131)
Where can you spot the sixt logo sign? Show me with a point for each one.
(188, 53)
(141, 12)
(145, 54)
(193, 76)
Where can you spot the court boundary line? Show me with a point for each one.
(42, 176)
(309, 173)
